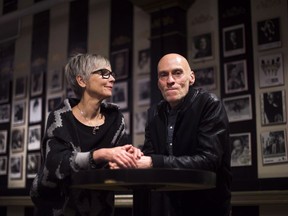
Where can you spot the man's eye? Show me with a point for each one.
(163, 75)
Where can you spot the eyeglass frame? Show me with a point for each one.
(102, 73)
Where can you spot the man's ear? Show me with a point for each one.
(81, 81)
(192, 78)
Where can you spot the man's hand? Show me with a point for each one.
(145, 162)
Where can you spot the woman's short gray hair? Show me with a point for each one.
(82, 65)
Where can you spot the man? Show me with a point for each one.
(188, 129)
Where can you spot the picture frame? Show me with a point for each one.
(20, 87)
(144, 61)
(238, 108)
(234, 40)
(202, 47)
(140, 122)
(205, 78)
(120, 63)
(235, 75)
(4, 91)
(35, 110)
(5, 113)
(126, 116)
(17, 140)
(53, 101)
(33, 164)
(241, 149)
(271, 72)
(55, 80)
(274, 146)
(36, 87)
(269, 33)
(120, 94)
(34, 137)
(143, 85)
(3, 141)
(3, 165)
(273, 109)
(19, 112)
(16, 167)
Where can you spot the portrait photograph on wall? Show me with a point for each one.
(143, 86)
(205, 78)
(274, 146)
(234, 40)
(4, 91)
(269, 33)
(35, 110)
(273, 110)
(143, 66)
(34, 137)
(235, 76)
(202, 47)
(33, 164)
(36, 87)
(53, 100)
(15, 167)
(17, 139)
(120, 94)
(3, 141)
(20, 87)
(55, 80)
(271, 71)
(240, 149)
(4, 113)
(238, 108)
(140, 121)
(120, 63)
(3, 165)
(19, 112)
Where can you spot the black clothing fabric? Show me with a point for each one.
(200, 141)
(65, 149)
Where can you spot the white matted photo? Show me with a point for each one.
(140, 122)
(16, 167)
(36, 87)
(205, 78)
(120, 63)
(238, 108)
(4, 113)
(127, 121)
(3, 165)
(144, 61)
(34, 137)
(241, 149)
(202, 47)
(19, 112)
(35, 110)
(3, 141)
(274, 146)
(33, 164)
(234, 40)
(235, 76)
(269, 33)
(271, 70)
(20, 87)
(143, 86)
(55, 80)
(53, 101)
(17, 139)
(273, 110)
(120, 94)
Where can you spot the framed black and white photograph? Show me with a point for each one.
(53, 101)
(143, 64)
(120, 63)
(16, 167)
(55, 80)
(127, 121)
(3, 165)
(273, 110)
(269, 33)
(205, 78)
(20, 87)
(120, 94)
(235, 76)
(271, 71)
(143, 86)
(202, 47)
(33, 164)
(234, 40)
(238, 108)
(274, 147)
(3, 141)
(140, 122)
(240, 149)
(4, 113)
(19, 112)
(34, 137)
(36, 87)
(17, 139)
(35, 110)
(4, 91)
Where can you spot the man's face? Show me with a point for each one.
(174, 78)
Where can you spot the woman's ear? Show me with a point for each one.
(81, 82)
(192, 78)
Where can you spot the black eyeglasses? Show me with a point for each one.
(105, 73)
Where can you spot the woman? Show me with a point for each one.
(82, 134)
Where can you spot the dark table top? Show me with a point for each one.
(152, 179)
